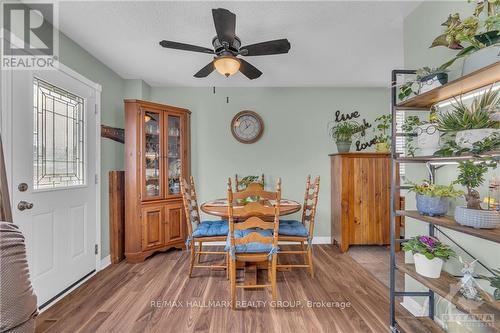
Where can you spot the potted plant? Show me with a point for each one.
(426, 78)
(383, 139)
(494, 282)
(342, 134)
(487, 145)
(472, 123)
(247, 180)
(473, 36)
(426, 132)
(429, 254)
(433, 200)
(471, 175)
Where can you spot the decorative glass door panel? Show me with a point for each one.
(152, 175)
(174, 160)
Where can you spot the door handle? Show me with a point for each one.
(22, 205)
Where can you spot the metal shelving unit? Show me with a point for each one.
(424, 102)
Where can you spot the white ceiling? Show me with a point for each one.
(345, 43)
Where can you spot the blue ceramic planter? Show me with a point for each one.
(432, 206)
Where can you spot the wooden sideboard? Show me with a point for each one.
(360, 208)
(156, 157)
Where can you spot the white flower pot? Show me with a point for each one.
(427, 143)
(480, 59)
(465, 139)
(426, 267)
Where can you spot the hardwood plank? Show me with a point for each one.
(119, 299)
(95, 322)
(117, 215)
(447, 286)
(450, 223)
(475, 80)
(418, 325)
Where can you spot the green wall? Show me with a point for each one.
(423, 25)
(420, 28)
(295, 141)
(75, 57)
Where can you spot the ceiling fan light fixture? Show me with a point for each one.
(227, 65)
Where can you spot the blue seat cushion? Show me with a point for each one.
(254, 247)
(211, 229)
(292, 228)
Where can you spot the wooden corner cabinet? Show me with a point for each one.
(360, 210)
(157, 155)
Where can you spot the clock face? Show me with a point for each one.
(247, 127)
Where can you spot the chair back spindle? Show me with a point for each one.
(310, 203)
(191, 208)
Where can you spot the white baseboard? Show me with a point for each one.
(322, 240)
(105, 262)
(316, 240)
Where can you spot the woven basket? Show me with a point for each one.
(480, 219)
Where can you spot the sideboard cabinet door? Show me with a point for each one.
(175, 222)
(153, 230)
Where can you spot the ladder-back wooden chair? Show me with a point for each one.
(200, 231)
(302, 232)
(241, 185)
(253, 239)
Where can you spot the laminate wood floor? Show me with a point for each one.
(376, 260)
(157, 296)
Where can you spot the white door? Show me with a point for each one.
(53, 176)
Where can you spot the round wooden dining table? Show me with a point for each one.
(219, 207)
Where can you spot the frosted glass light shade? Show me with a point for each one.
(227, 65)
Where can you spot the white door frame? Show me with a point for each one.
(6, 130)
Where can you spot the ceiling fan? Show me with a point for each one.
(227, 46)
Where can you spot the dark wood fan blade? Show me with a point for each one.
(249, 70)
(225, 25)
(185, 47)
(266, 48)
(205, 71)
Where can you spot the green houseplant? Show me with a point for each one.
(342, 134)
(426, 78)
(432, 199)
(471, 176)
(494, 282)
(383, 138)
(489, 144)
(247, 180)
(475, 33)
(429, 254)
(243, 184)
(472, 123)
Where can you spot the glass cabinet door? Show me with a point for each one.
(174, 153)
(152, 174)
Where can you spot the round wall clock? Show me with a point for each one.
(247, 127)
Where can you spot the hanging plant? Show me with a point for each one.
(473, 33)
